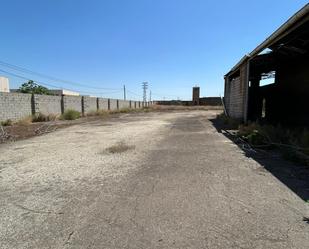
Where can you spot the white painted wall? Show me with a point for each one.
(4, 85)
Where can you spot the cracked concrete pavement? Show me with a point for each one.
(184, 185)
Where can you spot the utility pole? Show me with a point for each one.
(150, 96)
(124, 92)
(145, 87)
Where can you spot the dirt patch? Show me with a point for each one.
(20, 131)
(120, 148)
(23, 131)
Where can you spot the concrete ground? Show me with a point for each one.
(178, 184)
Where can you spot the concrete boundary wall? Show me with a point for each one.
(72, 102)
(103, 104)
(47, 104)
(89, 104)
(113, 104)
(16, 106)
(122, 104)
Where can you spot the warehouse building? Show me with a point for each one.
(271, 83)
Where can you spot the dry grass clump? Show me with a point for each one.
(126, 110)
(97, 113)
(25, 121)
(28, 120)
(40, 117)
(120, 148)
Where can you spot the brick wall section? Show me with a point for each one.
(113, 104)
(226, 93)
(103, 104)
(47, 104)
(90, 104)
(15, 106)
(236, 99)
(124, 104)
(235, 94)
(72, 102)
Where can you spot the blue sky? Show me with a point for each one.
(172, 44)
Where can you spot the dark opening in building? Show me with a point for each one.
(273, 84)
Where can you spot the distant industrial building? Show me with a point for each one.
(4, 84)
(196, 95)
(271, 84)
(61, 92)
(196, 100)
(58, 92)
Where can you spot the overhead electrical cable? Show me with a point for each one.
(25, 70)
(55, 86)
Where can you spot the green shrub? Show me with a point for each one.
(70, 115)
(92, 113)
(7, 122)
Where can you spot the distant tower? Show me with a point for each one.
(196, 95)
(4, 85)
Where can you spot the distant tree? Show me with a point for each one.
(32, 87)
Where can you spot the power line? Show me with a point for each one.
(158, 94)
(50, 85)
(25, 70)
(133, 93)
(167, 95)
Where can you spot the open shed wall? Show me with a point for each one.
(236, 93)
(287, 59)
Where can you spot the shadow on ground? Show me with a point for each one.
(294, 176)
